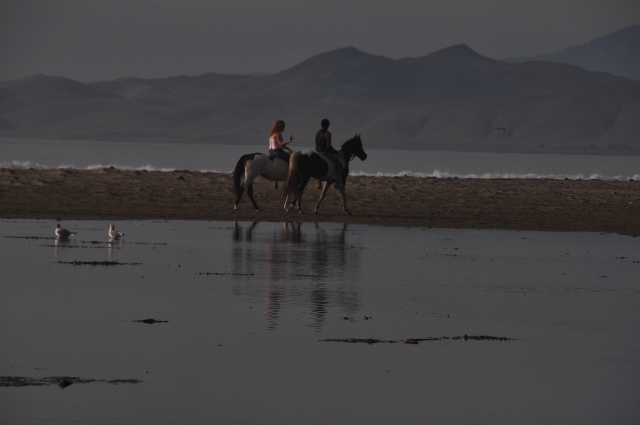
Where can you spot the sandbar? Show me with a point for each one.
(509, 204)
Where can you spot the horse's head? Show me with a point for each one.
(353, 147)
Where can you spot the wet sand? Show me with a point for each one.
(509, 204)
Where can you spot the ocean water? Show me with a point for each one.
(34, 153)
(289, 323)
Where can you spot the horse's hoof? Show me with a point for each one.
(347, 212)
(258, 210)
(235, 208)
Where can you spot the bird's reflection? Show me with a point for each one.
(312, 268)
(61, 246)
(114, 244)
(61, 243)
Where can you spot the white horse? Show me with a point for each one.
(252, 165)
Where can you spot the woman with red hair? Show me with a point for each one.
(276, 144)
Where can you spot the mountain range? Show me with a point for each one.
(452, 99)
(617, 53)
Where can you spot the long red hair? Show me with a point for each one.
(278, 127)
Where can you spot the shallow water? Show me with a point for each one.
(249, 308)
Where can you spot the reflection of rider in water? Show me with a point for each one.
(276, 145)
(323, 146)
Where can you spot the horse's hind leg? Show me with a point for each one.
(325, 188)
(344, 202)
(296, 194)
(238, 197)
(303, 184)
(292, 200)
(247, 185)
(250, 195)
(287, 203)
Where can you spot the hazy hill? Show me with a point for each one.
(617, 53)
(452, 99)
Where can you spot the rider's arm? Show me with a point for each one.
(283, 144)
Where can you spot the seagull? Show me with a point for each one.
(63, 233)
(113, 233)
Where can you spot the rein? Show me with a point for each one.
(349, 157)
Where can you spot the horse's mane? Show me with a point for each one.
(354, 139)
(346, 146)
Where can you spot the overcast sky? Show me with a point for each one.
(91, 40)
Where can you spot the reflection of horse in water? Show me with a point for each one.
(290, 232)
(252, 165)
(296, 265)
(305, 165)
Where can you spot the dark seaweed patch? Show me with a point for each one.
(415, 341)
(369, 341)
(97, 263)
(61, 381)
(151, 321)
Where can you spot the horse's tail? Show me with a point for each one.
(290, 183)
(238, 172)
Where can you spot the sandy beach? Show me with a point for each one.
(510, 204)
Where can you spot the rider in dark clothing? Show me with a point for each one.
(323, 146)
(323, 138)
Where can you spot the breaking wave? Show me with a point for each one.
(24, 165)
(147, 167)
(446, 174)
(16, 165)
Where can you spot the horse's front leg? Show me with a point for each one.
(344, 202)
(325, 188)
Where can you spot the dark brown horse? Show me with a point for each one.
(304, 165)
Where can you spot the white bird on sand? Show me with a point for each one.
(63, 233)
(113, 233)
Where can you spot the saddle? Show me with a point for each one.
(274, 157)
(333, 158)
